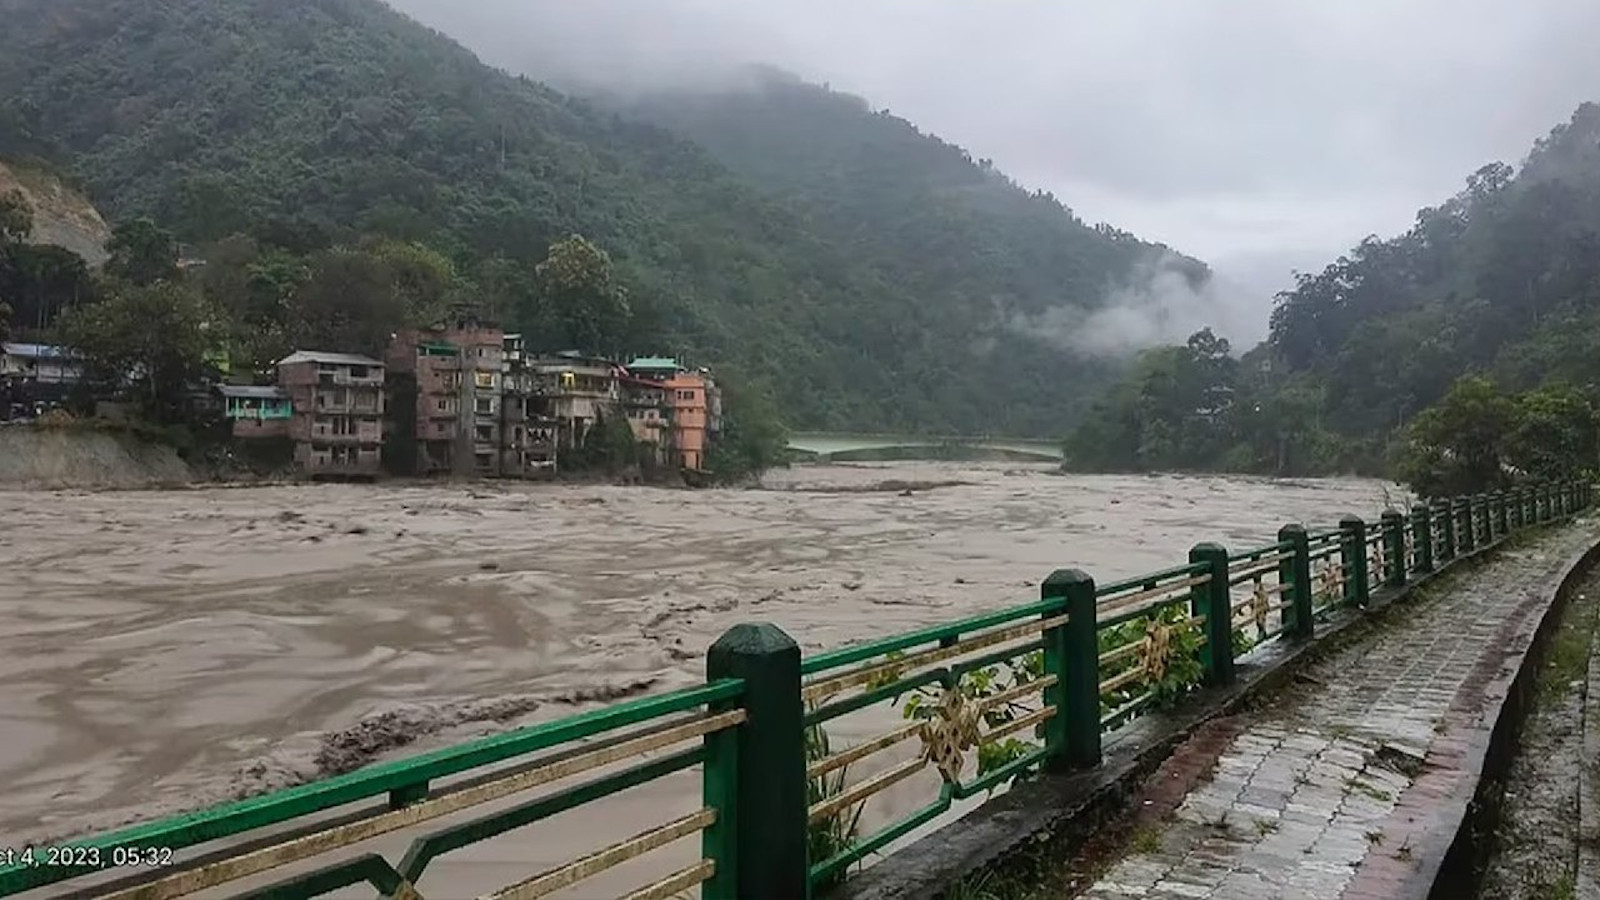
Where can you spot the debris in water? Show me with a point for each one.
(489, 566)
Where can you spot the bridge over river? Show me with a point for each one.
(834, 445)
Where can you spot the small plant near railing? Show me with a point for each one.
(837, 833)
(1182, 673)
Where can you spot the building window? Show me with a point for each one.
(485, 461)
(484, 405)
(358, 371)
(485, 433)
(483, 379)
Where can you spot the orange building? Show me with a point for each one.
(686, 398)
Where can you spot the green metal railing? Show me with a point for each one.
(961, 708)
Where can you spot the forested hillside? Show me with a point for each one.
(1501, 281)
(919, 211)
(309, 126)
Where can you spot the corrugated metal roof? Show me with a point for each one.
(655, 362)
(336, 359)
(253, 392)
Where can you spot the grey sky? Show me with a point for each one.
(1255, 134)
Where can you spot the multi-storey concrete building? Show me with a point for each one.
(338, 407)
(446, 386)
(528, 438)
(694, 403)
(578, 390)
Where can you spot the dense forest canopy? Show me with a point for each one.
(298, 132)
(1484, 315)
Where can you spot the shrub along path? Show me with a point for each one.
(1333, 790)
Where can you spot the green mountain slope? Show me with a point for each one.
(1503, 277)
(313, 122)
(1501, 280)
(917, 209)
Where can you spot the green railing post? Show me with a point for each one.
(1353, 555)
(1542, 513)
(1446, 550)
(1422, 537)
(1296, 572)
(1519, 496)
(1502, 524)
(1213, 601)
(1080, 702)
(1057, 653)
(1469, 527)
(1394, 547)
(766, 837)
(1485, 521)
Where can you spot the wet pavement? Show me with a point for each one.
(1324, 795)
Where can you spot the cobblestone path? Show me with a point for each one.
(1323, 794)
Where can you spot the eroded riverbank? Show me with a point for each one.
(168, 649)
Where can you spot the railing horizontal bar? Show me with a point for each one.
(836, 708)
(881, 838)
(279, 806)
(1139, 581)
(425, 849)
(1126, 711)
(962, 667)
(270, 857)
(676, 883)
(860, 652)
(835, 683)
(565, 876)
(990, 779)
(1256, 554)
(1021, 723)
(863, 750)
(1141, 612)
(862, 790)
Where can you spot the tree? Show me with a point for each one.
(579, 294)
(1554, 435)
(16, 223)
(1458, 445)
(16, 218)
(753, 437)
(154, 338)
(142, 254)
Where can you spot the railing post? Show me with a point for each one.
(1502, 523)
(766, 834)
(1353, 556)
(1485, 522)
(1214, 601)
(1296, 572)
(1468, 533)
(1446, 550)
(1394, 547)
(1079, 657)
(1544, 503)
(1057, 656)
(1422, 537)
(1522, 507)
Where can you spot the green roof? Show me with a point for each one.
(655, 362)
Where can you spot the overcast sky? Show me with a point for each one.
(1255, 134)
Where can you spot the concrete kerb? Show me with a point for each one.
(1446, 868)
(1051, 815)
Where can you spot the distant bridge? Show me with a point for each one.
(825, 444)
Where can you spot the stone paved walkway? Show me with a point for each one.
(1319, 796)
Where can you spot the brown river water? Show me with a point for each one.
(163, 650)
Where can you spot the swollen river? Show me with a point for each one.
(165, 650)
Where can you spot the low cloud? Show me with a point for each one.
(1157, 304)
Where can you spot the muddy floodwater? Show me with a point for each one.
(161, 650)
